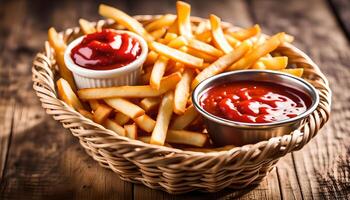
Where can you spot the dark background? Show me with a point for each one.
(40, 159)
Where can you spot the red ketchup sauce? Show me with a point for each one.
(106, 50)
(254, 101)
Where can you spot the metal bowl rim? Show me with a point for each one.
(313, 95)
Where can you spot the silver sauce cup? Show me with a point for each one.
(224, 132)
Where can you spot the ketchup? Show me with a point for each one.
(106, 50)
(254, 101)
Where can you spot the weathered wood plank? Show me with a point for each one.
(44, 160)
(312, 25)
(341, 9)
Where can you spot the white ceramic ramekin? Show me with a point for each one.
(126, 75)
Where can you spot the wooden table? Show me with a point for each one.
(39, 159)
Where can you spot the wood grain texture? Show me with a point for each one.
(312, 25)
(41, 160)
(341, 9)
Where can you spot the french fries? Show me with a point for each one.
(260, 51)
(86, 113)
(183, 19)
(158, 72)
(244, 34)
(121, 118)
(145, 123)
(59, 46)
(66, 93)
(182, 92)
(275, 63)
(186, 137)
(126, 107)
(158, 33)
(114, 126)
(177, 55)
(124, 19)
(178, 42)
(164, 21)
(221, 64)
(182, 121)
(86, 26)
(296, 72)
(181, 137)
(101, 113)
(163, 119)
(150, 103)
(131, 131)
(181, 55)
(166, 84)
(204, 47)
(218, 35)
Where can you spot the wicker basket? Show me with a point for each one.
(174, 170)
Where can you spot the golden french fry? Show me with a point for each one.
(145, 123)
(149, 103)
(85, 113)
(183, 18)
(101, 113)
(232, 41)
(138, 91)
(199, 54)
(182, 92)
(86, 26)
(94, 104)
(169, 37)
(206, 36)
(175, 67)
(177, 55)
(221, 64)
(244, 34)
(124, 19)
(218, 35)
(151, 58)
(296, 72)
(59, 46)
(174, 27)
(259, 65)
(182, 121)
(66, 94)
(163, 119)
(114, 126)
(204, 47)
(202, 27)
(258, 52)
(186, 137)
(131, 131)
(178, 42)
(121, 118)
(158, 33)
(164, 21)
(126, 107)
(275, 63)
(158, 72)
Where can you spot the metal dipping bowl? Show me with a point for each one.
(224, 132)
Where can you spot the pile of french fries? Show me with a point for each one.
(181, 55)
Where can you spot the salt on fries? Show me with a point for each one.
(181, 55)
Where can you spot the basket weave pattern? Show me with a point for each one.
(175, 170)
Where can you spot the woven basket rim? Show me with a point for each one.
(275, 140)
